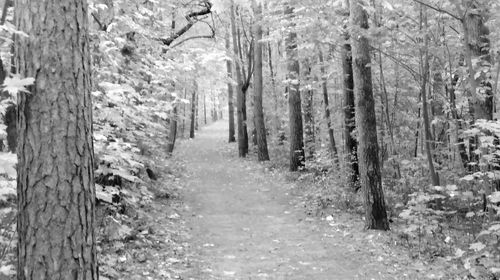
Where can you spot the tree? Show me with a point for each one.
(230, 104)
(297, 155)
(194, 106)
(350, 142)
(240, 95)
(424, 57)
(173, 129)
(9, 119)
(175, 116)
(478, 59)
(260, 126)
(55, 181)
(192, 18)
(326, 104)
(370, 175)
(308, 112)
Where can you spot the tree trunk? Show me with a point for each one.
(371, 181)
(326, 103)
(197, 108)
(477, 48)
(205, 108)
(424, 61)
(276, 115)
(10, 117)
(294, 101)
(184, 106)
(351, 144)
(462, 151)
(55, 180)
(230, 105)
(6, 5)
(478, 60)
(193, 113)
(240, 97)
(173, 130)
(309, 126)
(260, 126)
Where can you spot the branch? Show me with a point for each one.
(192, 18)
(439, 10)
(102, 27)
(240, 52)
(212, 36)
(250, 69)
(412, 72)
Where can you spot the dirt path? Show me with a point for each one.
(244, 226)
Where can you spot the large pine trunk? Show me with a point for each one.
(55, 181)
(294, 101)
(369, 166)
(230, 105)
(260, 126)
(351, 144)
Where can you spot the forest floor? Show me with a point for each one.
(247, 222)
(212, 215)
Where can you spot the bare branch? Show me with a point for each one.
(412, 72)
(437, 9)
(192, 19)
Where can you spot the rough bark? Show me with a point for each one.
(260, 126)
(326, 103)
(351, 144)
(297, 155)
(55, 181)
(240, 96)
(230, 104)
(371, 181)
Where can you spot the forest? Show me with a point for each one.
(249, 139)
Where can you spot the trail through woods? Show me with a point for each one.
(245, 224)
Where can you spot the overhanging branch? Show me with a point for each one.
(192, 19)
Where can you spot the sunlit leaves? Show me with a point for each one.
(16, 84)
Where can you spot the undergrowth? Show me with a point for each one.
(456, 224)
